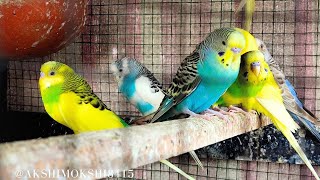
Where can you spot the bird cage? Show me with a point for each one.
(160, 34)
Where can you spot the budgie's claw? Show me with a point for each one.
(195, 115)
(219, 109)
(237, 109)
(224, 112)
(220, 114)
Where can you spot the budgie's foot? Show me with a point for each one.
(220, 114)
(217, 108)
(195, 115)
(224, 112)
(234, 109)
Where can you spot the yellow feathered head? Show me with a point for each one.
(54, 73)
(253, 68)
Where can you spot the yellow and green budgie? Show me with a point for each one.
(70, 101)
(256, 89)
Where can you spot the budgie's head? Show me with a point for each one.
(228, 43)
(263, 48)
(54, 74)
(126, 67)
(251, 43)
(253, 69)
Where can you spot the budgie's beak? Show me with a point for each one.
(255, 68)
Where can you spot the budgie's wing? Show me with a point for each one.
(290, 98)
(292, 104)
(307, 124)
(155, 84)
(184, 83)
(92, 108)
(289, 95)
(279, 111)
(298, 101)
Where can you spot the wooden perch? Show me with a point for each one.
(121, 149)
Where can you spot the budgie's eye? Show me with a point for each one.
(120, 70)
(224, 43)
(221, 53)
(52, 73)
(261, 46)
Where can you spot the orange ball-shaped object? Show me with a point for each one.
(35, 28)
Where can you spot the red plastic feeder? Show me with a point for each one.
(35, 28)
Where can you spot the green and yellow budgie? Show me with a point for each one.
(70, 101)
(256, 89)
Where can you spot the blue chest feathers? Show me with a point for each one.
(128, 88)
(215, 80)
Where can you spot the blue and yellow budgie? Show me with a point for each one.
(291, 101)
(70, 101)
(204, 75)
(140, 87)
(256, 89)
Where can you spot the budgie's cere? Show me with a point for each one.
(256, 89)
(69, 100)
(204, 75)
(138, 84)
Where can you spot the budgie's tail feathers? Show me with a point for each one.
(169, 164)
(283, 122)
(196, 158)
(249, 10)
(293, 107)
(240, 6)
(307, 124)
(290, 99)
(165, 106)
(293, 142)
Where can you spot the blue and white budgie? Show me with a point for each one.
(291, 101)
(204, 76)
(140, 87)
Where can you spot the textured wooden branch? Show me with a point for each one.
(121, 149)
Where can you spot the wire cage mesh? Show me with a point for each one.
(162, 33)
